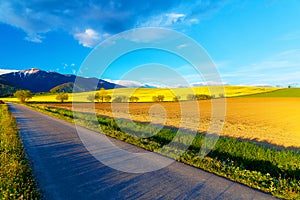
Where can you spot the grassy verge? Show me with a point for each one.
(288, 92)
(271, 170)
(16, 181)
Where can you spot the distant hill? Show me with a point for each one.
(37, 80)
(286, 92)
(67, 87)
(7, 90)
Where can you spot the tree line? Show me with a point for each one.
(102, 96)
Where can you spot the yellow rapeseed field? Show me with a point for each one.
(146, 94)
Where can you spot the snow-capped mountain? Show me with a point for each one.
(37, 80)
(30, 71)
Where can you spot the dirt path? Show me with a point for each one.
(64, 169)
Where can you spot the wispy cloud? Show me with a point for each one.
(279, 69)
(211, 83)
(165, 20)
(182, 46)
(291, 36)
(89, 21)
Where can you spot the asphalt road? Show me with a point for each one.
(65, 169)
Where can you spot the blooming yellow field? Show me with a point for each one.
(146, 94)
(267, 120)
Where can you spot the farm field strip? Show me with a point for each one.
(269, 120)
(146, 94)
(267, 169)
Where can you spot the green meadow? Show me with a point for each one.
(287, 92)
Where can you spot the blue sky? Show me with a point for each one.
(251, 42)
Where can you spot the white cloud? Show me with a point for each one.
(136, 84)
(194, 21)
(211, 83)
(173, 18)
(32, 22)
(164, 20)
(88, 38)
(6, 71)
(36, 18)
(126, 83)
(133, 84)
(34, 38)
(182, 46)
(261, 85)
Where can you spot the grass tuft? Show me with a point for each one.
(16, 181)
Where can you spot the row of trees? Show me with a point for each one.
(158, 98)
(98, 98)
(107, 98)
(197, 97)
(25, 95)
(102, 96)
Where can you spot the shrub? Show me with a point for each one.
(176, 98)
(62, 97)
(134, 99)
(91, 97)
(23, 95)
(191, 97)
(194, 97)
(120, 99)
(158, 98)
(107, 98)
(154, 99)
(102, 96)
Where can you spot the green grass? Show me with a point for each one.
(268, 169)
(16, 181)
(287, 92)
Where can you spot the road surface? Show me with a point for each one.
(64, 168)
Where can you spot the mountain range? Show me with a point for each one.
(38, 81)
